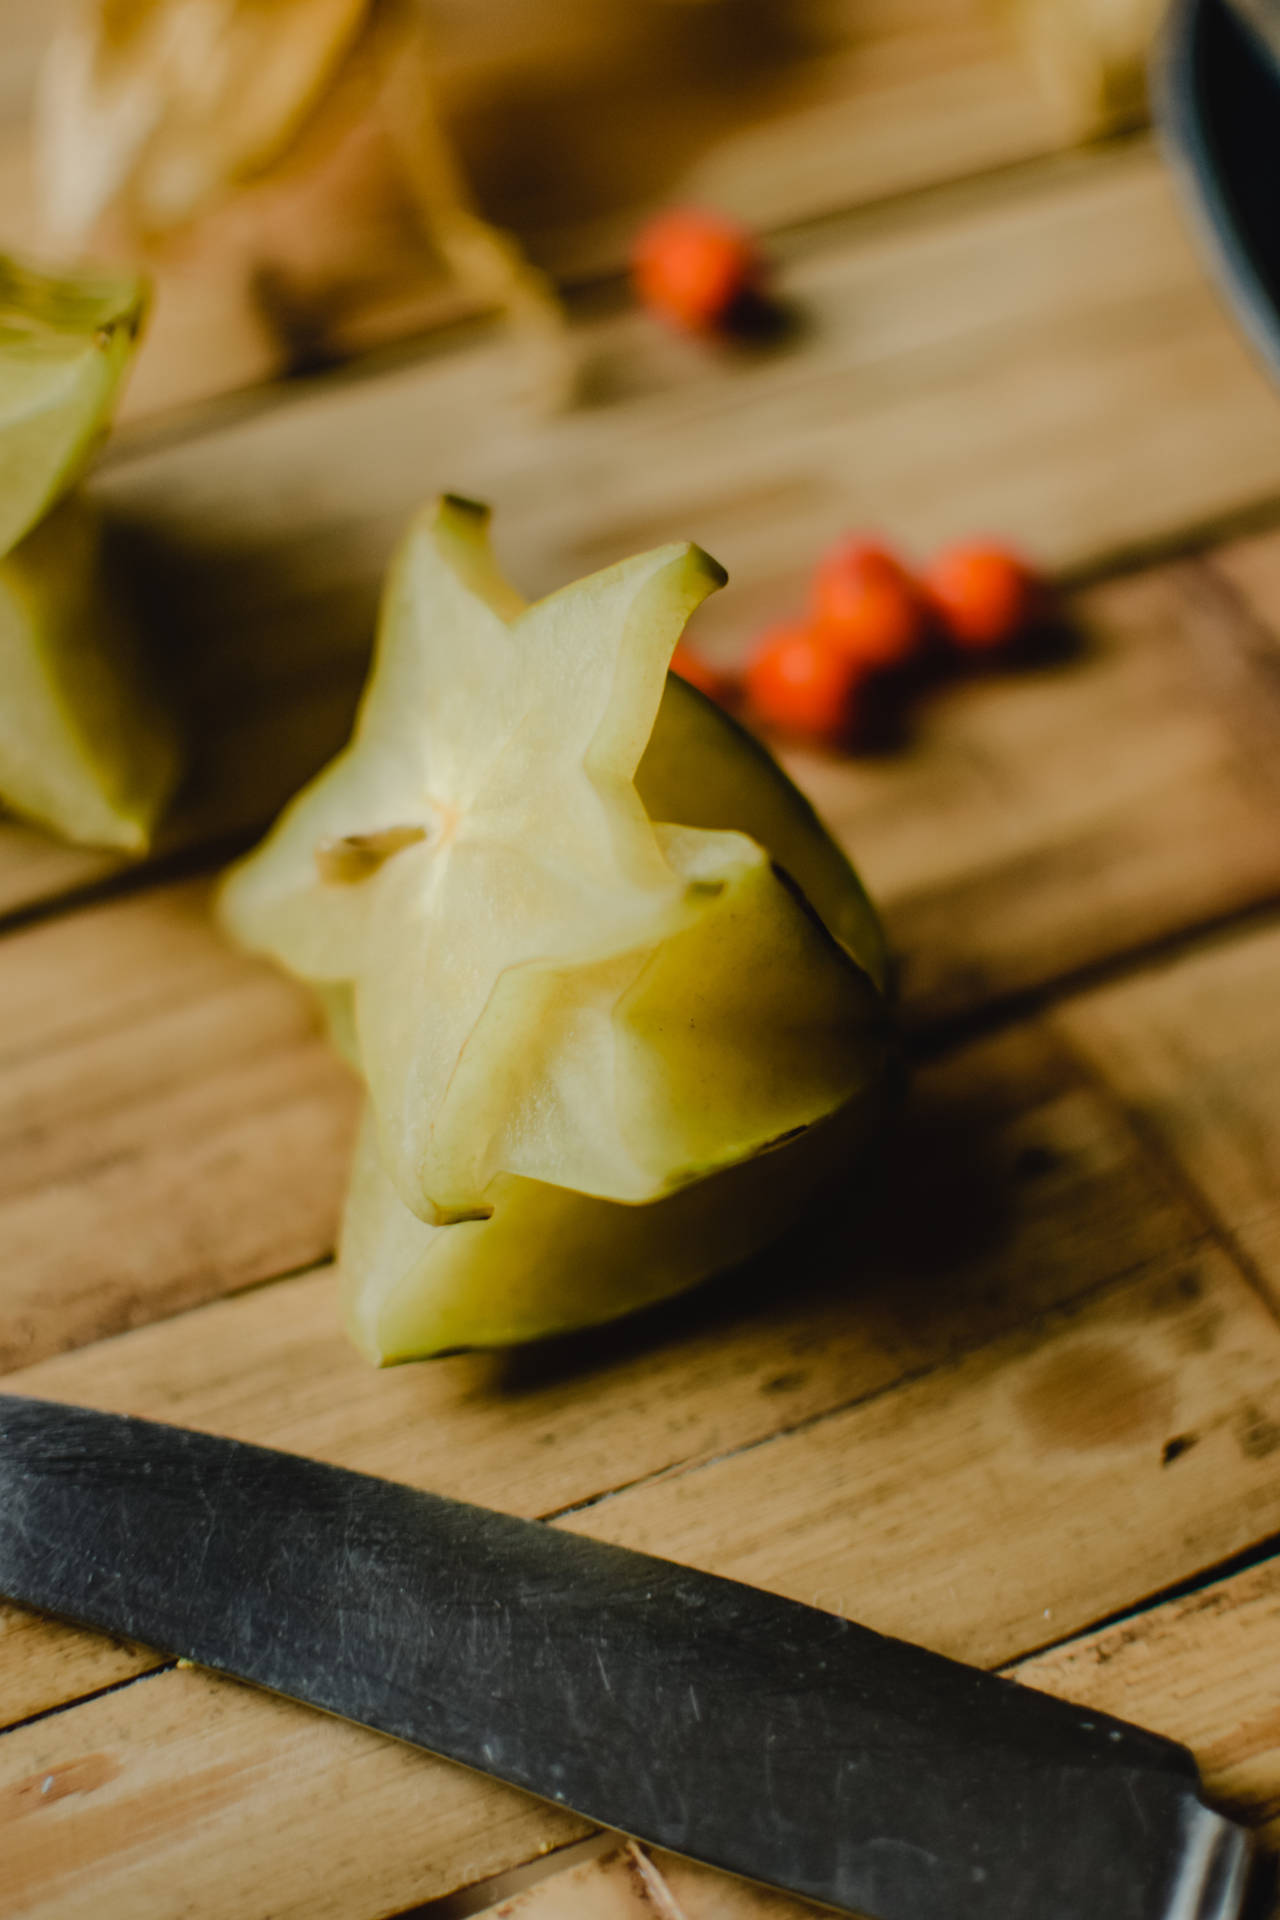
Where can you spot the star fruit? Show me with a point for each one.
(85, 748)
(543, 897)
(65, 343)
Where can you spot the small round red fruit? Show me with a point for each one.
(798, 681)
(716, 684)
(867, 602)
(984, 596)
(694, 267)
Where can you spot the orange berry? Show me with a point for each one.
(868, 604)
(798, 681)
(983, 595)
(693, 267)
(701, 674)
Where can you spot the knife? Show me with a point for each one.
(750, 1732)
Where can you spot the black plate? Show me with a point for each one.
(1218, 103)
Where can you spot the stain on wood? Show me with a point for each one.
(1096, 1394)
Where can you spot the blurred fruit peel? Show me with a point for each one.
(693, 995)
(316, 120)
(87, 747)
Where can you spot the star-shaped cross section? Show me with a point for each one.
(545, 980)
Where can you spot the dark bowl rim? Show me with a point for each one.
(1185, 140)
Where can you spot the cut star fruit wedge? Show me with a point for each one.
(549, 1260)
(85, 747)
(65, 343)
(577, 932)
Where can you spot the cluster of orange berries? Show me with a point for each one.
(875, 629)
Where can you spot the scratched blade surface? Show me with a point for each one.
(747, 1731)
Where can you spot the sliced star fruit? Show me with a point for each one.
(65, 342)
(86, 747)
(549, 1260)
(545, 982)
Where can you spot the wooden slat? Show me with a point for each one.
(1193, 1049)
(1252, 566)
(633, 1883)
(1203, 1670)
(982, 1509)
(35, 868)
(1001, 1476)
(1063, 309)
(404, 1827)
(1074, 815)
(624, 1884)
(1011, 1190)
(572, 120)
(173, 1125)
(32, 1649)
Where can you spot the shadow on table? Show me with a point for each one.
(903, 1252)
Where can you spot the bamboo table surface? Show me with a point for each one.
(1024, 1407)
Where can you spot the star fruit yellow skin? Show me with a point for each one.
(65, 343)
(85, 747)
(549, 1259)
(551, 992)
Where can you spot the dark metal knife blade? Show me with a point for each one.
(747, 1731)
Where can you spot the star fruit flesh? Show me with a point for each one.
(525, 897)
(85, 747)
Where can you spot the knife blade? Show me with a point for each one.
(753, 1733)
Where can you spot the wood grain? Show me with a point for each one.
(1063, 309)
(1192, 1048)
(173, 1125)
(33, 1649)
(1010, 1189)
(1064, 818)
(635, 1883)
(571, 122)
(1201, 1669)
(986, 1507)
(375, 1824)
(1001, 1474)
(36, 869)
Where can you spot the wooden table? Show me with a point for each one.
(1025, 1409)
